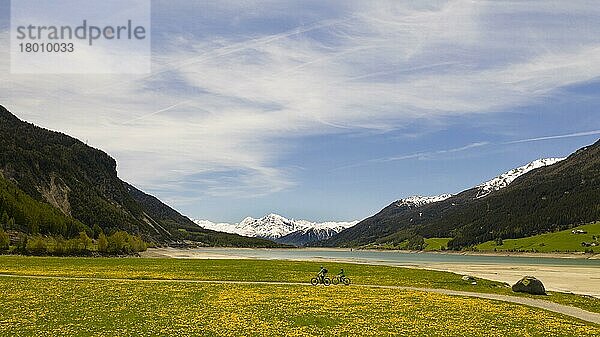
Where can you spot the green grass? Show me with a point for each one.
(32, 307)
(436, 243)
(563, 241)
(259, 270)
(109, 308)
(232, 270)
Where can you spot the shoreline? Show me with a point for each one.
(557, 255)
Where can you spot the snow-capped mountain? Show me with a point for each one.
(418, 200)
(275, 227)
(485, 188)
(219, 227)
(272, 226)
(505, 179)
(312, 234)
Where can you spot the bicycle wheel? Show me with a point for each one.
(326, 281)
(346, 281)
(314, 281)
(335, 280)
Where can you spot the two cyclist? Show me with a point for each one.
(323, 272)
(322, 278)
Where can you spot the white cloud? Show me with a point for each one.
(428, 155)
(570, 135)
(218, 113)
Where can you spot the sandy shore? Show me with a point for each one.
(574, 255)
(578, 255)
(576, 279)
(175, 253)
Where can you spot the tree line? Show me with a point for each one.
(117, 243)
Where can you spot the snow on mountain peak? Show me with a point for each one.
(331, 225)
(273, 226)
(506, 178)
(219, 227)
(418, 200)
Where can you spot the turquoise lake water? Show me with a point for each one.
(395, 257)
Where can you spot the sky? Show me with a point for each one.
(330, 110)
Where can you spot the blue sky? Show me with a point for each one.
(331, 110)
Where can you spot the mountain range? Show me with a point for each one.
(543, 196)
(280, 229)
(54, 184)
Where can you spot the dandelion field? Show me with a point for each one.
(143, 307)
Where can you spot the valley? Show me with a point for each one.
(68, 197)
(300, 169)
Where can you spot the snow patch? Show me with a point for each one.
(418, 200)
(505, 179)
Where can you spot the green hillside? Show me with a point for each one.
(563, 241)
(18, 211)
(437, 243)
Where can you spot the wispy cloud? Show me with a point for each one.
(427, 155)
(434, 154)
(155, 112)
(570, 135)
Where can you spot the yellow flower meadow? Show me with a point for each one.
(34, 307)
(141, 307)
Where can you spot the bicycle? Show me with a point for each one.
(320, 280)
(341, 279)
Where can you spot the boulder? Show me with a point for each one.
(470, 279)
(530, 285)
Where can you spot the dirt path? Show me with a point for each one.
(542, 304)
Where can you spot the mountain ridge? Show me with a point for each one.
(280, 229)
(470, 217)
(508, 177)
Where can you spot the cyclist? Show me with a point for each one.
(323, 273)
(342, 275)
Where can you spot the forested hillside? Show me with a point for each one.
(53, 183)
(64, 172)
(20, 212)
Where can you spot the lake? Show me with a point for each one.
(393, 257)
